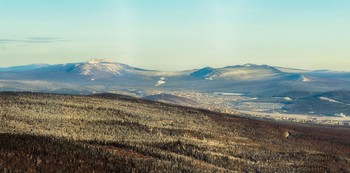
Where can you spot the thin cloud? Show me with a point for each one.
(31, 40)
(44, 38)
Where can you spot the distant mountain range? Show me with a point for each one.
(260, 81)
(104, 75)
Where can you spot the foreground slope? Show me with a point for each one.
(113, 133)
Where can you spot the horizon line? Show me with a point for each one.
(135, 66)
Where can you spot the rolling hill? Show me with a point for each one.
(168, 98)
(115, 133)
(334, 103)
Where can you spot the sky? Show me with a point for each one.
(177, 34)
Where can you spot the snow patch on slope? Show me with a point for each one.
(287, 98)
(329, 100)
(211, 77)
(333, 101)
(305, 79)
(161, 81)
(340, 115)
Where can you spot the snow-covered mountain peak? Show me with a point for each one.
(97, 61)
(206, 73)
(102, 67)
(249, 65)
(249, 72)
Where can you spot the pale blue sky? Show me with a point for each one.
(177, 34)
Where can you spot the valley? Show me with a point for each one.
(233, 103)
(267, 92)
